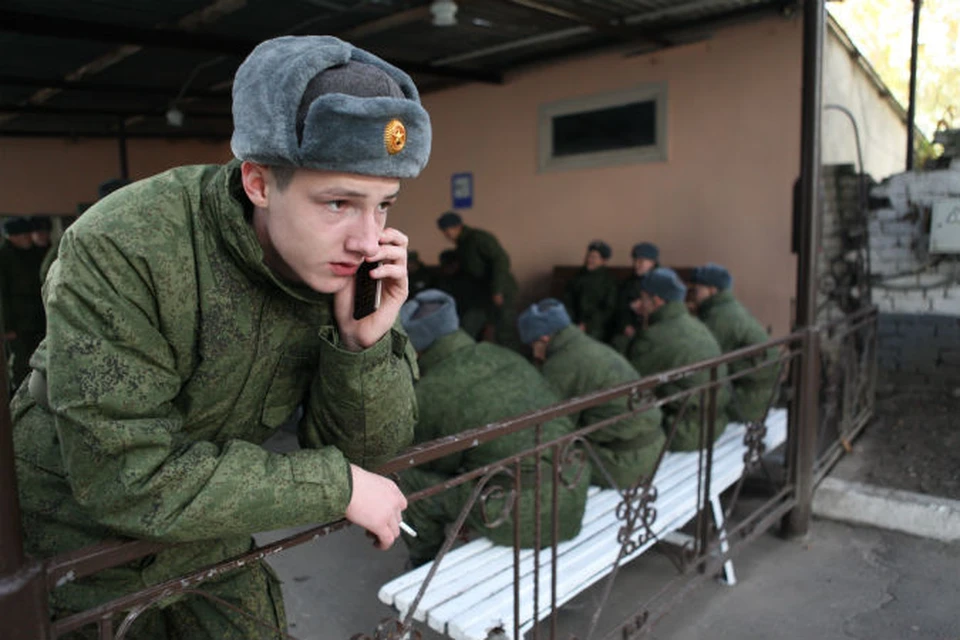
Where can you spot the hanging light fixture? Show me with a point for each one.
(444, 13)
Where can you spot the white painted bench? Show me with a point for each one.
(472, 591)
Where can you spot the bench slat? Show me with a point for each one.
(473, 589)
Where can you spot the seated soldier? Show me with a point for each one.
(576, 364)
(591, 295)
(463, 385)
(472, 306)
(673, 338)
(646, 258)
(735, 328)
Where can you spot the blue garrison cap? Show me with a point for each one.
(664, 283)
(543, 318)
(646, 250)
(449, 219)
(602, 248)
(362, 115)
(16, 226)
(712, 275)
(429, 315)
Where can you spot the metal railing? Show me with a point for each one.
(847, 405)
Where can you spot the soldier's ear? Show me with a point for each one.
(255, 183)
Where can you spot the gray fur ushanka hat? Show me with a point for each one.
(367, 119)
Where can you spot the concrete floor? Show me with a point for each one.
(841, 582)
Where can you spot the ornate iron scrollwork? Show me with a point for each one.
(639, 515)
(753, 441)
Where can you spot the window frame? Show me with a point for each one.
(657, 152)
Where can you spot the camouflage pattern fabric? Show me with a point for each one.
(172, 353)
(465, 385)
(591, 300)
(734, 327)
(576, 365)
(674, 338)
(485, 262)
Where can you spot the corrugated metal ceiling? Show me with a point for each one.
(88, 67)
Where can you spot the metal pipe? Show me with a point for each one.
(23, 596)
(912, 107)
(803, 422)
(11, 535)
(122, 144)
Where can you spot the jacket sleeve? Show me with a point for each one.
(130, 461)
(363, 402)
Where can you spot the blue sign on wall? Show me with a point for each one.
(461, 190)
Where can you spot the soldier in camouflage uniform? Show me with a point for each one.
(191, 313)
(646, 258)
(484, 261)
(591, 295)
(576, 365)
(673, 338)
(20, 302)
(464, 385)
(734, 327)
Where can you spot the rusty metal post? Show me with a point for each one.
(122, 148)
(23, 594)
(804, 423)
(912, 107)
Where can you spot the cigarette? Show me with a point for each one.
(407, 529)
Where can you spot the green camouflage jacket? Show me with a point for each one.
(464, 385)
(735, 328)
(591, 299)
(672, 339)
(577, 365)
(172, 353)
(484, 259)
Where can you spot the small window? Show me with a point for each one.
(616, 128)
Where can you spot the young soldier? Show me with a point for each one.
(463, 385)
(646, 258)
(576, 364)
(483, 259)
(734, 327)
(591, 295)
(673, 338)
(191, 313)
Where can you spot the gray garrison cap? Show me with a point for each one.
(428, 316)
(543, 318)
(366, 117)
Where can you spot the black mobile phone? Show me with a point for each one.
(366, 297)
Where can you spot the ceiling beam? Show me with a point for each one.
(152, 135)
(54, 27)
(392, 21)
(103, 87)
(176, 39)
(612, 29)
(38, 110)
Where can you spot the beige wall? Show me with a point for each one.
(723, 195)
(51, 176)
(883, 132)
